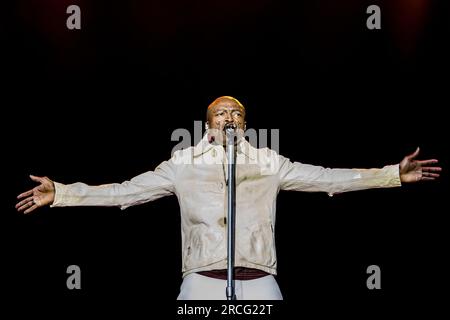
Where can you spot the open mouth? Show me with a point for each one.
(229, 126)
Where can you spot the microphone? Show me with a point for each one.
(230, 127)
(231, 133)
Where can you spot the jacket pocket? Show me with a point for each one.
(203, 246)
(257, 245)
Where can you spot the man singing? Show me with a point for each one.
(198, 177)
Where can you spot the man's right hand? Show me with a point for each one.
(39, 196)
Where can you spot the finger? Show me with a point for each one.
(26, 206)
(21, 203)
(429, 174)
(37, 179)
(435, 169)
(30, 209)
(428, 178)
(25, 194)
(427, 162)
(414, 154)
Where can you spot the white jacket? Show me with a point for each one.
(197, 176)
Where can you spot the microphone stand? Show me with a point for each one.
(231, 225)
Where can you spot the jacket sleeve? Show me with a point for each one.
(304, 177)
(143, 188)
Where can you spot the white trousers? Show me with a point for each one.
(198, 287)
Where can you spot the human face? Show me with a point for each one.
(225, 111)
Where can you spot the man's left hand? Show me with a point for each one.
(412, 170)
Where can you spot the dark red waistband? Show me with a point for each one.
(240, 273)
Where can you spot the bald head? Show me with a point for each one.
(222, 104)
(222, 111)
(226, 98)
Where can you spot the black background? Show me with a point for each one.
(99, 105)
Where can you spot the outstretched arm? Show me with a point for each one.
(143, 188)
(303, 177)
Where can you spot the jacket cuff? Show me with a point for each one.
(394, 175)
(60, 190)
